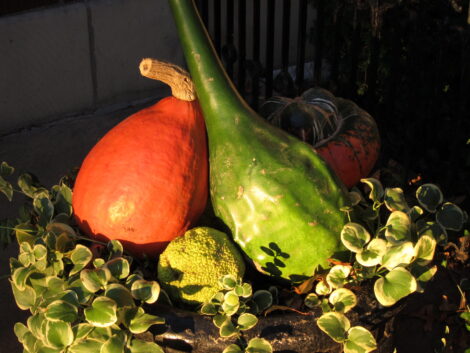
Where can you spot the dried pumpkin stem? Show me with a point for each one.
(174, 76)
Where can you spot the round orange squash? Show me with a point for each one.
(146, 181)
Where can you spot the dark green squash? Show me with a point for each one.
(280, 199)
(345, 135)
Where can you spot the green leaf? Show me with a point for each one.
(398, 227)
(247, 290)
(35, 323)
(114, 344)
(415, 212)
(27, 184)
(88, 345)
(119, 267)
(423, 274)
(228, 282)
(94, 280)
(20, 330)
(259, 345)
(343, 300)
(81, 256)
(376, 189)
(322, 288)
(429, 197)
(120, 294)
(397, 255)
(142, 321)
(334, 325)
(263, 299)
(424, 249)
(102, 312)
(434, 230)
(139, 346)
(338, 275)
(147, 291)
(219, 320)
(450, 216)
(82, 330)
(59, 334)
(311, 300)
(6, 188)
(354, 236)
(396, 285)
(6, 170)
(44, 207)
(395, 200)
(246, 321)
(60, 310)
(227, 329)
(229, 309)
(115, 248)
(208, 309)
(25, 298)
(373, 253)
(83, 294)
(233, 348)
(360, 340)
(231, 298)
(20, 276)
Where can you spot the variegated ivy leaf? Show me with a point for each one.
(6, 170)
(398, 227)
(247, 290)
(415, 212)
(227, 329)
(139, 346)
(20, 330)
(60, 310)
(343, 300)
(231, 303)
(119, 267)
(208, 309)
(58, 334)
(83, 294)
(120, 294)
(337, 276)
(228, 282)
(25, 298)
(354, 236)
(423, 274)
(82, 330)
(233, 348)
(429, 197)
(81, 257)
(44, 208)
(424, 249)
(334, 325)
(246, 321)
(114, 344)
(395, 200)
(373, 253)
(58, 228)
(86, 345)
(102, 312)
(450, 216)
(94, 280)
(360, 340)
(263, 299)
(432, 229)
(311, 300)
(115, 248)
(259, 345)
(147, 291)
(25, 234)
(6, 188)
(394, 286)
(322, 288)
(35, 323)
(376, 189)
(220, 319)
(401, 254)
(20, 276)
(141, 321)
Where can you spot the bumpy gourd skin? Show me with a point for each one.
(278, 197)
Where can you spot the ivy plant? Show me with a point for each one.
(392, 243)
(79, 301)
(235, 309)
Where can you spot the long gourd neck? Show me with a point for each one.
(216, 92)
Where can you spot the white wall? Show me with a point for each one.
(71, 59)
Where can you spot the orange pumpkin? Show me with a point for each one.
(146, 181)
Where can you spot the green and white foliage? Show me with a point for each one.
(397, 242)
(78, 303)
(235, 309)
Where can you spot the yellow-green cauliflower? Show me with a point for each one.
(191, 265)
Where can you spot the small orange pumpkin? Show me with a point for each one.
(146, 181)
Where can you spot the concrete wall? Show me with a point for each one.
(76, 58)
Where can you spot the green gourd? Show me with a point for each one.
(279, 198)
